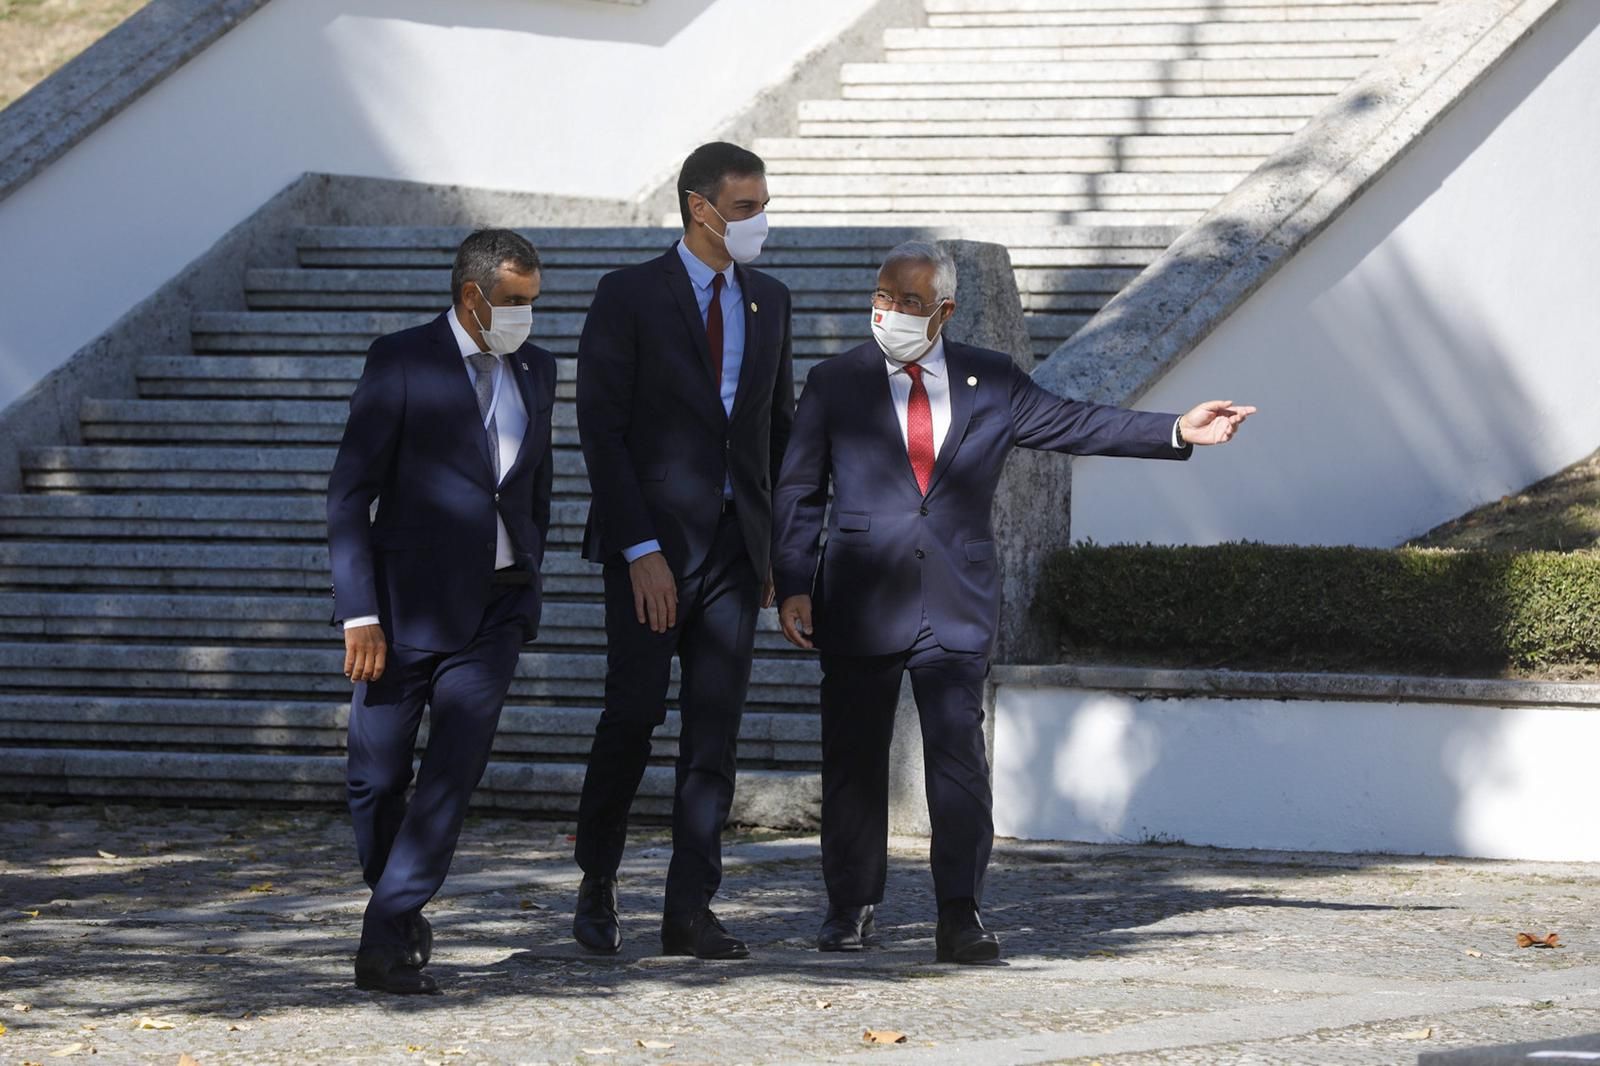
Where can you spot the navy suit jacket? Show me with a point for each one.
(890, 550)
(415, 441)
(656, 439)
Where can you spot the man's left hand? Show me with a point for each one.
(1213, 422)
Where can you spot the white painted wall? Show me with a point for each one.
(1436, 348)
(1074, 764)
(567, 97)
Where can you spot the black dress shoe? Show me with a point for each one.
(961, 937)
(594, 922)
(419, 940)
(386, 969)
(702, 936)
(847, 929)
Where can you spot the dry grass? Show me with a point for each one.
(1560, 513)
(38, 36)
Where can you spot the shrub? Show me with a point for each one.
(1449, 609)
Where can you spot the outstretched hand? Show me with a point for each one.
(1213, 422)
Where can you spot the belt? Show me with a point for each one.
(511, 575)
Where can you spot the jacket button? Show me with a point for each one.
(497, 497)
(924, 512)
(920, 553)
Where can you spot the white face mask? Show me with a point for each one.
(508, 327)
(903, 338)
(743, 238)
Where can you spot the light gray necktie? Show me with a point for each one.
(483, 365)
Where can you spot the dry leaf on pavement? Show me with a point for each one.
(186, 1060)
(105, 855)
(1417, 1034)
(70, 1049)
(22, 1008)
(264, 886)
(598, 1050)
(1528, 940)
(883, 1036)
(655, 1045)
(823, 1004)
(1474, 953)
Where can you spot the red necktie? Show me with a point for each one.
(919, 429)
(714, 329)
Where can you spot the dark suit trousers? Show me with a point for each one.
(405, 849)
(714, 639)
(859, 697)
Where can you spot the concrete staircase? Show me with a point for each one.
(1083, 134)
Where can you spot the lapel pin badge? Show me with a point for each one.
(972, 381)
(753, 308)
(524, 366)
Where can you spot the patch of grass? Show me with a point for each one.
(37, 37)
(1559, 514)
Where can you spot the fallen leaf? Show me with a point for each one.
(237, 1028)
(1104, 953)
(22, 1008)
(6, 959)
(186, 1060)
(106, 855)
(215, 949)
(1474, 953)
(1544, 1004)
(883, 1036)
(264, 886)
(414, 1048)
(155, 1023)
(70, 1049)
(655, 1045)
(30, 914)
(823, 1004)
(598, 1050)
(2, 1030)
(1417, 1034)
(1528, 940)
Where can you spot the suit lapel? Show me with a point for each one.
(462, 393)
(683, 294)
(517, 366)
(961, 400)
(752, 339)
(875, 384)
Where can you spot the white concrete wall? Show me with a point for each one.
(1436, 348)
(568, 97)
(1097, 766)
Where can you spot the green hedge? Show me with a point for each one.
(1447, 609)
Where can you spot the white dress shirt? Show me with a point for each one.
(936, 379)
(510, 422)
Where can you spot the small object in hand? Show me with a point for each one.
(1528, 940)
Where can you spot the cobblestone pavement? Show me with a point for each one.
(139, 935)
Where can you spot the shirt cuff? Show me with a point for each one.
(1178, 442)
(364, 620)
(640, 550)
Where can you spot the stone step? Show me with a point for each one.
(1158, 188)
(768, 798)
(1054, 88)
(890, 144)
(1198, 72)
(1153, 53)
(787, 684)
(1108, 39)
(144, 618)
(286, 727)
(180, 468)
(1160, 108)
(910, 127)
(122, 567)
(829, 214)
(815, 289)
(269, 519)
(1030, 13)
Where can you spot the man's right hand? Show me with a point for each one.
(655, 592)
(795, 617)
(365, 652)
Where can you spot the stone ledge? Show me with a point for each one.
(1230, 253)
(111, 74)
(1165, 683)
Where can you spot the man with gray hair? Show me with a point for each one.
(449, 431)
(913, 431)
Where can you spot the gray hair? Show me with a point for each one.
(944, 266)
(482, 256)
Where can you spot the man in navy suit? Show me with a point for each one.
(685, 399)
(449, 430)
(913, 431)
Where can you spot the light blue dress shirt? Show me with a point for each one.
(732, 302)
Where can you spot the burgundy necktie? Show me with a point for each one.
(919, 429)
(714, 329)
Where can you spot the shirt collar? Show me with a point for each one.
(464, 341)
(932, 363)
(699, 272)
